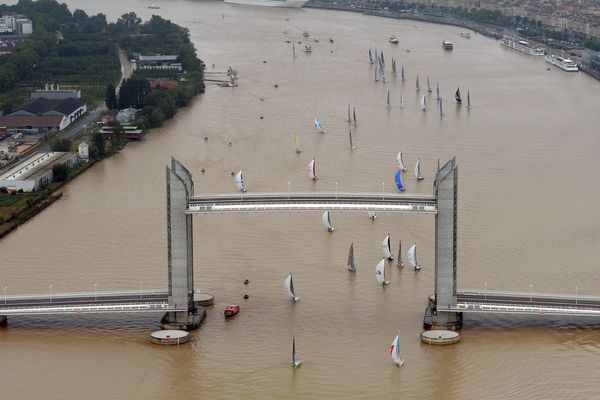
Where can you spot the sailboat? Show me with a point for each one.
(398, 179)
(297, 143)
(400, 161)
(388, 100)
(372, 215)
(349, 119)
(418, 86)
(351, 265)
(402, 72)
(437, 90)
(468, 99)
(386, 247)
(318, 125)
(394, 67)
(395, 352)
(424, 103)
(402, 99)
(295, 363)
(441, 102)
(288, 287)
(428, 85)
(239, 181)
(312, 170)
(400, 263)
(418, 170)
(293, 50)
(350, 135)
(380, 273)
(376, 78)
(457, 96)
(327, 221)
(354, 116)
(412, 257)
(383, 77)
(370, 57)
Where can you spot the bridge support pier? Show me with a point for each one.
(445, 190)
(3, 320)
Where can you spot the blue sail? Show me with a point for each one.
(399, 184)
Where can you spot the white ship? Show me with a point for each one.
(521, 45)
(562, 63)
(269, 3)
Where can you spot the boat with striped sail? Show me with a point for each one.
(380, 273)
(351, 265)
(239, 181)
(386, 247)
(319, 126)
(395, 352)
(418, 170)
(295, 362)
(400, 161)
(327, 221)
(399, 262)
(288, 287)
(398, 180)
(312, 170)
(412, 257)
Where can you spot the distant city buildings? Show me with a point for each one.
(15, 24)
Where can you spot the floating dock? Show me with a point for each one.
(440, 337)
(169, 337)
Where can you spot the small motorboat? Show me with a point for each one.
(394, 39)
(231, 310)
(305, 34)
(307, 48)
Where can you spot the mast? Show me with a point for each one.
(418, 86)
(293, 50)
(441, 107)
(388, 100)
(350, 135)
(402, 99)
(402, 73)
(468, 99)
(399, 262)
(354, 115)
(437, 90)
(428, 85)
(349, 120)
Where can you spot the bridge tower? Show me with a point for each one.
(445, 190)
(180, 246)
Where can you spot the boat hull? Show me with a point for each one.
(269, 3)
(570, 67)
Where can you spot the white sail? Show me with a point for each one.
(417, 84)
(288, 287)
(424, 103)
(351, 265)
(395, 352)
(380, 272)
(327, 221)
(349, 119)
(400, 161)
(295, 363)
(401, 99)
(412, 255)
(418, 170)
(372, 214)
(239, 181)
(312, 170)
(386, 247)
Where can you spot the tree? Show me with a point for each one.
(60, 172)
(100, 144)
(60, 144)
(110, 98)
(129, 22)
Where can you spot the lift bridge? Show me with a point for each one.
(444, 309)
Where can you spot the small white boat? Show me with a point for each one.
(394, 39)
(418, 175)
(400, 161)
(466, 35)
(412, 257)
(307, 48)
(424, 103)
(288, 287)
(295, 362)
(319, 126)
(351, 265)
(327, 221)
(386, 247)
(372, 215)
(380, 273)
(154, 7)
(239, 181)
(395, 352)
(400, 263)
(312, 170)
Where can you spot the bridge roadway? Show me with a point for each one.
(286, 202)
(88, 303)
(525, 303)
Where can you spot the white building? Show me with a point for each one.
(83, 152)
(15, 23)
(35, 172)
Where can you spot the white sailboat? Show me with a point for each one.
(428, 85)
(380, 273)
(312, 170)
(386, 247)
(327, 221)
(295, 362)
(319, 126)
(400, 263)
(372, 214)
(468, 99)
(288, 287)
(297, 143)
(349, 119)
(351, 265)
(350, 136)
(400, 161)
(402, 72)
(437, 90)
(424, 103)
(402, 99)
(354, 116)
(441, 102)
(239, 181)
(395, 352)
(376, 78)
(418, 170)
(417, 84)
(389, 105)
(412, 257)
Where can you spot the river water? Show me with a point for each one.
(528, 157)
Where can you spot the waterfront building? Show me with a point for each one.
(158, 62)
(33, 124)
(35, 172)
(71, 107)
(127, 115)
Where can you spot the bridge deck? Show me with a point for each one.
(287, 202)
(88, 303)
(525, 303)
